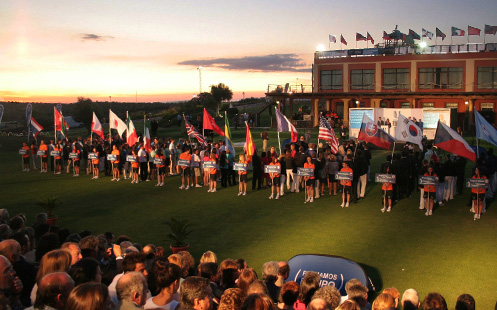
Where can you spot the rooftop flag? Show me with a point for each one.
(440, 34)
(490, 29)
(456, 32)
(427, 34)
(370, 38)
(472, 31)
(414, 35)
(360, 37)
(386, 36)
(333, 39)
(342, 40)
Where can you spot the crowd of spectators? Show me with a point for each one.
(46, 267)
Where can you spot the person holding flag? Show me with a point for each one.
(115, 164)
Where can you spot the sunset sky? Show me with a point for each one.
(55, 51)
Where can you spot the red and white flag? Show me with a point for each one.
(328, 134)
(283, 124)
(210, 123)
(116, 123)
(147, 143)
(473, 31)
(131, 135)
(96, 127)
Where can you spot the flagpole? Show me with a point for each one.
(110, 133)
(127, 129)
(144, 127)
(279, 142)
(391, 160)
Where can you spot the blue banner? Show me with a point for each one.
(272, 169)
(158, 161)
(347, 176)
(305, 172)
(476, 183)
(239, 167)
(427, 180)
(183, 163)
(131, 158)
(334, 270)
(209, 164)
(93, 156)
(23, 152)
(40, 153)
(55, 153)
(384, 178)
(111, 157)
(73, 155)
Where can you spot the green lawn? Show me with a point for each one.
(448, 252)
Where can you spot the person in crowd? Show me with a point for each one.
(195, 294)
(465, 302)
(95, 164)
(275, 179)
(77, 160)
(86, 270)
(330, 294)
(116, 164)
(195, 169)
(318, 304)
(387, 193)
(135, 167)
(434, 301)
(288, 295)
(25, 157)
(478, 194)
(10, 285)
(165, 277)
(231, 300)
(308, 286)
(44, 158)
(346, 185)
(161, 167)
(257, 171)
(58, 158)
(310, 180)
(246, 278)
(185, 171)
(384, 301)
(410, 300)
(429, 192)
(131, 291)
(265, 138)
(257, 302)
(143, 161)
(74, 250)
(270, 275)
(53, 291)
(392, 291)
(212, 175)
(242, 190)
(89, 296)
(359, 294)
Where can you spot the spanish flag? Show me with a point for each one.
(250, 147)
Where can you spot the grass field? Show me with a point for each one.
(448, 252)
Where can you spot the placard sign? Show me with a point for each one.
(347, 176)
(476, 183)
(41, 153)
(209, 164)
(305, 172)
(334, 270)
(92, 156)
(272, 169)
(111, 157)
(159, 161)
(23, 152)
(131, 158)
(73, 155)
(427, 180)
(55, 153)
(384, 178)
(239, 167)
(183, 163)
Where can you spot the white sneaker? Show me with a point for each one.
(475, 217)
(162, 184)
(271, 197)
(187, 188)
(214, 190)
(118, 180)
(244, 193)
(240, 193)
(312, 199)
(182, 187)
(431, 212)
(347, 205)
(158, 184)
(389, 209)
(421, 208)
(479, 215)
(308, 199)
(277, 196)
(113, 179)
(198, 185)
(209, 190)
(147, 180)
(427, 213)
(383, 210)
(342, 205)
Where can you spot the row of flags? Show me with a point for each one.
(397, 35)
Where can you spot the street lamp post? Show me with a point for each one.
(199, 79)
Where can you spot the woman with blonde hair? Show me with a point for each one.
(53, 261)
(208, 257)
(384, 301)
(89, 296)
(392, 291)
(231, 299)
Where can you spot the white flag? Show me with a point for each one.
(96, 127)
(333, 39)
(116, 123)
(408, 131)
(131, 135)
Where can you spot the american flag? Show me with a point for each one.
(191, 131)
(328, 134)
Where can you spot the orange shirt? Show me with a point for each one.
(312, 166)
(274, 175)
(60, 152)
(117, 153)
(242, 172)
(77, 152)
(346, 182)
(163, 161)
(213, 170)
(44, 147)
(478, 190)
(430, 188)
(135, 164)
(95, 161)
(185, 156)
(387, 187)
(26, 148)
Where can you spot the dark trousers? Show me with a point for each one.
(257, 178)
(224, 177)
(231, 176)
(143, 171)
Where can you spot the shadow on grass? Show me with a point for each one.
(376, 284)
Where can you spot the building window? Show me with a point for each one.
(397, 78)
(487, 77)
(487, 106)
(428, 105)
(331, 79)
(405, 105)
(452, 105)
(384, 104)
(436, 78)
(361, 79)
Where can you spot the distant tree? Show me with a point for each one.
(83, 111)
(205, 100)
(220, 93)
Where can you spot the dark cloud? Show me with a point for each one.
(267, 63)
(94, 37)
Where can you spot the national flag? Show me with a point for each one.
(29, 112)
(342, 40)
(414, 35)
(35, 127)
(146, 140)
(191, 131)
(227, 134)
(456, 32)
(490, 29)
(370, 38)
(473, 31)
(96, 127)
(408, 131)
(249, 142)
(1, 112)
(116, 123)
(370, 132)
(360, 37)
(131, 135)
(426, 34)
(449, 140)
(210, 123)
(328, 134)
(440, 34)
(60, 123)
(484, 130)
(333, 39)
(386, 36)
(284, 125)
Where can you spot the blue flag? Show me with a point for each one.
(484, 130)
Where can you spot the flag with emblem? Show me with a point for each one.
(372, 133)
(116, 123)
(192, 132)
(408, 131)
